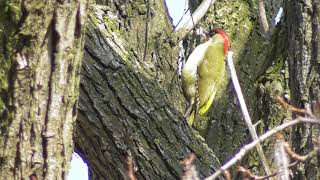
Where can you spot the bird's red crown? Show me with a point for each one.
(225, 37)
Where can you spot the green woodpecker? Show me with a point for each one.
(202, 73)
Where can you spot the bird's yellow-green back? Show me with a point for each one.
(211, 70)
(201, 75)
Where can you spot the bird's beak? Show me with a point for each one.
(202, 32)
(205, 34)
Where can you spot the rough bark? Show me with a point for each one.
(302, 22)
(41, 46)
(264, 74)
(125, 108)
(129, 103)
(147, 56)
(224, 128)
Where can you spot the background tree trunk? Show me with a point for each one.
(40, 55)
(302, 22)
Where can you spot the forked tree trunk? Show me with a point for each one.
(123, 109)
(130, 101)
(126, 108)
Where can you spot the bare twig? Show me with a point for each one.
(249, 174)
(246, 173)
(298, 157)
(130, 169)
(283, 152)
(190, 172)
(281, 157)
(194, 19)
(245, 112)
(185, 9)
(243, 151)
(185, 12)
(262, 17)
(290, 107)
(227, 175)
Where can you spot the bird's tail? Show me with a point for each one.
(205, 108)
(192, 111)
(190, 119)
(190, 115)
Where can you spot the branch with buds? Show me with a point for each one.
(283, 155)
(282, 146)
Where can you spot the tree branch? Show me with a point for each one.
(245, 113)
(194, 19)
(263, 18)
(243, 151)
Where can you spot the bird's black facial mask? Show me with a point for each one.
(210, 34)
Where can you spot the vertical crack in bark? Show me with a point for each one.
(53, 39)
(315, 57)
(78, 27)
(146, 31)
(18, 160)
(99, 116)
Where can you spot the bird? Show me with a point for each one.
(202, 72)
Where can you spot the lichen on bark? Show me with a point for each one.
(125, 107)
(41, 45)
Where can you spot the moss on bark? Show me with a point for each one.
(41, 49)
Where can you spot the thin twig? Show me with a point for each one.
(246, 173)
(243, 151)
(245, 112)
(130, 169)
(255, 177)
(227, 175)
(185, 12)
(175, 27)
(281, 157)
(298, 157)
(190, 172)
(290, 107)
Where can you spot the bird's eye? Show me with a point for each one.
(211, 33)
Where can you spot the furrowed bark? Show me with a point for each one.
(303, 62)
(39, 103)
(124, 112)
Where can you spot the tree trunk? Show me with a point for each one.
(41, 49)
(302, 21)
(125, 108)
(130, 103)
